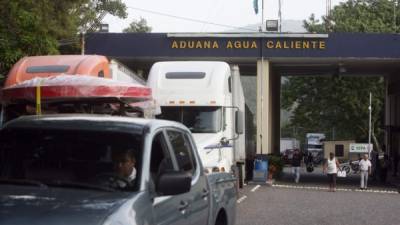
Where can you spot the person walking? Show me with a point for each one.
(374, 164)
(296, 163)
(331, 167)
(310, 162)
(365, 170)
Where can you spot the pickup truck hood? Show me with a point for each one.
(57, 206)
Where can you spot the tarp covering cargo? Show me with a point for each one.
(77, 94)
(72, 87)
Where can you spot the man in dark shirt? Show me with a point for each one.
(296, 163)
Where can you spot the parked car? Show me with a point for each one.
(65, 169)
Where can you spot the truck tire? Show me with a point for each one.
(237, 171)
(241, 175)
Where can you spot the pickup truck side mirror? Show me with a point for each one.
(173, 183)
(239, 122)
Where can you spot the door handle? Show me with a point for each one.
(183, 206)
(205, 193)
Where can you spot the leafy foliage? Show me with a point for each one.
(91, 12)
(334, 104)
(338, 106)
(138, 27)
(277, 162)
(372, 16)
(42, 27)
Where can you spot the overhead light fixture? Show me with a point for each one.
(272, 25)
(103, 28)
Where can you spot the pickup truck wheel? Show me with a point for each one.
(221, 218)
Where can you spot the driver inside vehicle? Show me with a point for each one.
(124, 162)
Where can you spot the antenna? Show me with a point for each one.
(280, 16)
(328, 15)
(328, 8)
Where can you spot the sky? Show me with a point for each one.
(176, 15)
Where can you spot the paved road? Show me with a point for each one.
(298, 205)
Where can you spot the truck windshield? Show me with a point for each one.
(76, 159)
(199, 119)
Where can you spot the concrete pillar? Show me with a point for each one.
(392, 114)
(275, 96)
(264, 109)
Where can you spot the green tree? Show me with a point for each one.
(339, 105)
(138, 27)
(334, 105)
(313, 25)
(91, 12)
(42, 27)
(372, 16)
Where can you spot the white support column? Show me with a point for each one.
(264, 96)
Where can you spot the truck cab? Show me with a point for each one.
(315, 146)
(208, 98)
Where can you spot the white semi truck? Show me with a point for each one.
(315, 146)
(208, 98)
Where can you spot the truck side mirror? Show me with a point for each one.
(239, 122)
(173, 183)
(224, 141)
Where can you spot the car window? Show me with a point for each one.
(72, 158)
(160, 161)
(182, 150)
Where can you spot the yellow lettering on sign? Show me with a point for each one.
(253, 44)
(298, 44)
(229, 44)
(285, 44)
(175, 44)
(182, 44)
(207, 44)
(306, 44)
(215, 45)
(237, 44)
(322, 45)
(314, 44)
(270, 44)
(246, 44)
(198, 44)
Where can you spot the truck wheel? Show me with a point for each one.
(241, 175)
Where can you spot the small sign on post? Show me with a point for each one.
(360, 148)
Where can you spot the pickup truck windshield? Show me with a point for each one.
(102, 161)
(199, 119)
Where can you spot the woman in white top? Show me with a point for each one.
(331, 167)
